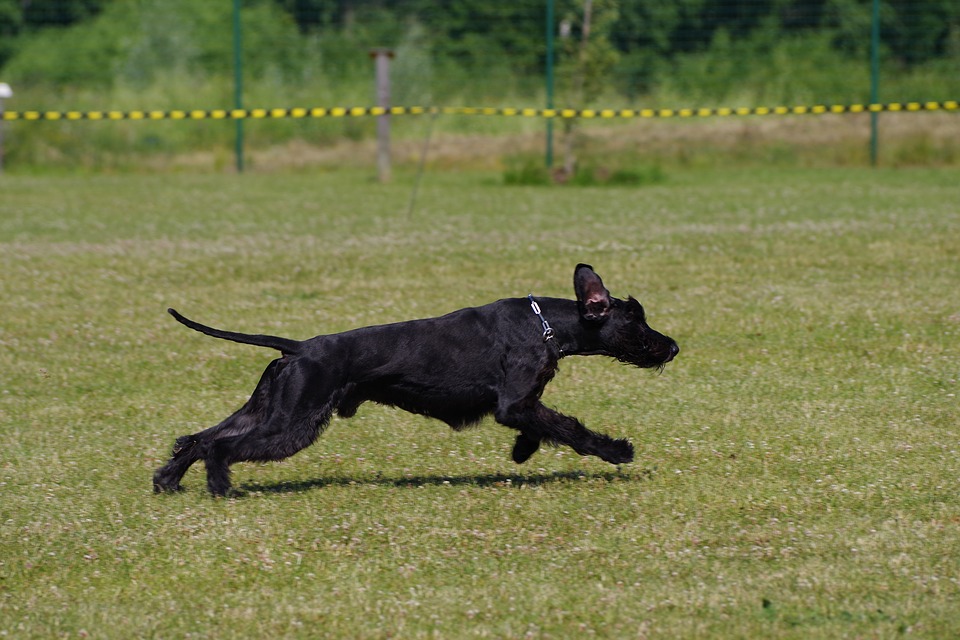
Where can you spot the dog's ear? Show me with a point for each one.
(593, 299)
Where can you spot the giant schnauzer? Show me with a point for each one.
(458, 368)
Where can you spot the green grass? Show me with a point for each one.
(797, 464)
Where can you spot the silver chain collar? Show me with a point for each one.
(547, 329)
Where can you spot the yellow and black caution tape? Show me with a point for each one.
(347, 112)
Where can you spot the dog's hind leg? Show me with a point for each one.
(190, 448)
(291, 417)
(167, 477)
(276, 439)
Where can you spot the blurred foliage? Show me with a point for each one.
(104, 41)
(135, 42)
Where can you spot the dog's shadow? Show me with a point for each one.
(485, 480)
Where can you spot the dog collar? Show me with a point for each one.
(548, 333)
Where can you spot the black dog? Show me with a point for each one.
(458, 368)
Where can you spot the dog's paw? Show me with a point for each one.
(176, 489)
(164, 485)
(524, 448)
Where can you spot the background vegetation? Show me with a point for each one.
(163, 54)
(647, 37)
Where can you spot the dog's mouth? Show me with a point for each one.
(647, 350)
(672, 351)
(647, 355)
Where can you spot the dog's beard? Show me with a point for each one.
(634, 350)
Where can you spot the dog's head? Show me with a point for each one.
(619, 327)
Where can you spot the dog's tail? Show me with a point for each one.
(283, 345)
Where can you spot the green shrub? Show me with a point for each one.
(530, 171)
(140, 43)
(591, 176)
(526, 172)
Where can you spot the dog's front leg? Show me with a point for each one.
(537, 423)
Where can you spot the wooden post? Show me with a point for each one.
(570, 124)
(381, 59)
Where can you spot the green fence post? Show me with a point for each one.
(549, 159)
(238, 82)
(874, 79)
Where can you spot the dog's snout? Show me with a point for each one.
(672, 351)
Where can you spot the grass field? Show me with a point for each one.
(797, 469)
